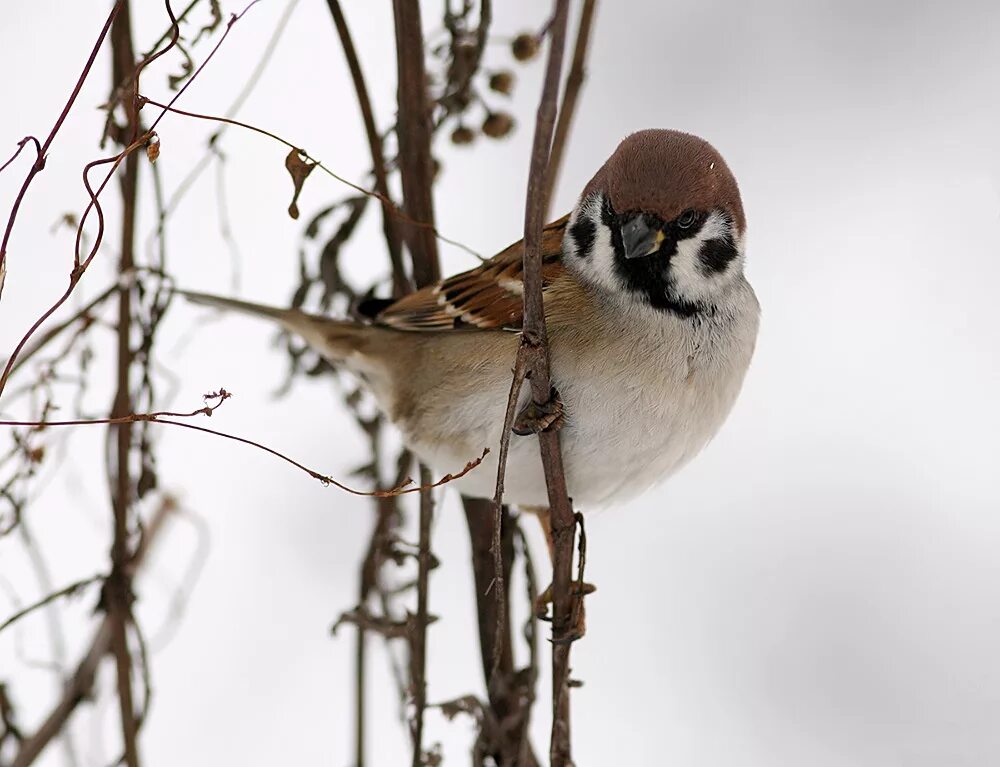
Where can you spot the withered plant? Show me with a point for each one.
(451, 85)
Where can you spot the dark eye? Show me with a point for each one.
(687, 219)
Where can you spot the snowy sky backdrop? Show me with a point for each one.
(820, 587)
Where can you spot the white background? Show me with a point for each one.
(819, 587)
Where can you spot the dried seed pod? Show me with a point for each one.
(525, 46)
(153, 147)
(502, 82)
(462, 135)
(498, 124)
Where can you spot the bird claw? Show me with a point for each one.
(535, 418)
(577, 591)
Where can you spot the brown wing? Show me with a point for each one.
(485, 298)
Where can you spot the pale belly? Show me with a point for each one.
(628, 425)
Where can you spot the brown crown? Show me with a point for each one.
(666, 172)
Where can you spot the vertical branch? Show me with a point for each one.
(571, 94)
(400, 283)
(385, 508)
(118, 591)
(413, 132)
(418, 652)
(79, 686)
(510, 691)
(494, 642)
(360, 664)
(42, 150)
(534, 348)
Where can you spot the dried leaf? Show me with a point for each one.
(147, 481)
(153, 147)
(312, 228)
(467, 704)
(299, 169)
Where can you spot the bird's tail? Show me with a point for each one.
(334, 339)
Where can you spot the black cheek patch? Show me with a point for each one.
(584, 233)
(716, 255)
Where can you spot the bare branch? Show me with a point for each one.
(403, 488)
(414, 222)
(400, 282)
(118, 587)
(135, 142)
(81, 683)
(413, 131)
(48, 599)
(571, 93)
(39, 163)
(533, 356)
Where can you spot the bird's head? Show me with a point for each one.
(660, 223)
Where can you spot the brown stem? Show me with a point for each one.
(504, 686)
(534, 346)
(400, 282)
(360, 664)
(413, 131)
(494, 644)
(80, 685)
(118, 590)
(39, 163)
(571, 94)
(49, 598)
(499, 579)
(387, 516)
(405, 487)
(132, 106)
(313, 161)
(418, 638)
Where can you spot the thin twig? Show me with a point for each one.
(135, 103)
(413, 132)
(212, 151)
(402, 489)
(510, 692)
(66, 591)
(39, 163)
(534, 349)
(118, 587)
(400, 281)
(51, 334)
(418, 638)
(81, 683)
(499, 584)
(409, 220)
(571, 93)
(20, 146)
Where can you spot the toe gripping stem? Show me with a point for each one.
(535, 418)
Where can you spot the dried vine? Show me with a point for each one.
(441, 87)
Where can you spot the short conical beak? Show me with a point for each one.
(639, 238)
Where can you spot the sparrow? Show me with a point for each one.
(651, 324)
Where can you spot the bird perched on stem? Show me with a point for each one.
(651, 326)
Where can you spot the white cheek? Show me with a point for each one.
(599, 267)
(690, 281)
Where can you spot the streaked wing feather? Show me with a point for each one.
(485, 298)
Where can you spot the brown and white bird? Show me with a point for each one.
(651, 326)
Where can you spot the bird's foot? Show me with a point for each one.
(578, 591)
(535, 418)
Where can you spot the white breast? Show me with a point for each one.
(642, 397)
